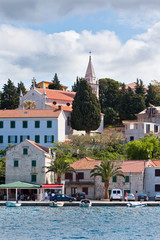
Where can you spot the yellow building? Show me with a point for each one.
(45, 84)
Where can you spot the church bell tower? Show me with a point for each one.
(90, 77)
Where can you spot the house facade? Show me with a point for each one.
(25, 162)
(133, 170)
(42, 126)
(148, 121)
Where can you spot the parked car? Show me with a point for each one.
(130, 197)
(62, 197)
(116, 194)
(157, 197)
(142, 197)
(80, 195)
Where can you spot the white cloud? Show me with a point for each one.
(51, 10)
(25, 54)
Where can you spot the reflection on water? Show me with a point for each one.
(79, 223)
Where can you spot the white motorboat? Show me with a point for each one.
(136, 204)
(13, 204)
(56, 204)
(85, 203)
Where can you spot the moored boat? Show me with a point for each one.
(13, 204)
(56, 204)
(85, 203)
(136, 204)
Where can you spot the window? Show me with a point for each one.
(33, 178)
(114, 179)
(147, 128)
(12, 124)
(73, 190)
(22, 138)
(37, 138)
(25, 151)
(49, 124)
(85, 189)
(12, 139)
(155, 128)
(49, 139)
(102, 180)
(54, 103)
(131, 138)
(15, 163)
(25, 124)
(157, 172)
(68, 104)
(79, 176)
(136, 126)
(157, 187)
(33, 163)
(68, 121)
(1, 139)
(127, 179)
(1, 124)
(37, 124)
(69, 176)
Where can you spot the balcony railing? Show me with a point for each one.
(79, 181)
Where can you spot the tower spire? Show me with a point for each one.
(90, 74)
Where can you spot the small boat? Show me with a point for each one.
(85, 203)
(136, 204)
(13, 204)
(56, 204)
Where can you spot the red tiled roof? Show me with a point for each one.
(58, 95)
(40, 147)
(155, 163)
(85, 164)
(34, 113)
(133, 86)
(64, 108)
(134, 166)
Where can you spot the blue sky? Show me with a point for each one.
(40, 38)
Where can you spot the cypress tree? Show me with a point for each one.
(86, 109)
(56, 83)
(9, 97)
(20, 88)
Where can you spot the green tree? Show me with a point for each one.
(110, 116)
(153, 96)
(59, 166)
(55, 83)
(140, 87)
(20, 88)
(145, 148)
(106, 170)
(86, 109)
(76, 84)
(9, 97)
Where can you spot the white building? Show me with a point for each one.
(42, 126)
(25, 162)
(148, 121)
(45, 98)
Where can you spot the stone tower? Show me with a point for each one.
(90, 77)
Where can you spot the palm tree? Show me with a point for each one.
(106, 170)
(59, 167)
(29, 104)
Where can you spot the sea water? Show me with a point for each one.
(79, 223)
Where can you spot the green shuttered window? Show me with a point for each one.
(12, 124)
(1, 124)
(37, 124)
(127, 179)
(49, 124)
(49, 139)
(34, 178)
(114, 179)
(1, 139)
(15, 163)
(37, 138)
(25, 124)
(33, 163)
(25, 151)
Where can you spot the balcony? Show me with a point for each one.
(79, 182)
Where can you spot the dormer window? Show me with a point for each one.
(54, 103)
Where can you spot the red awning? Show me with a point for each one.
(51, 186)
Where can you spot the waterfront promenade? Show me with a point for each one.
(95, 203)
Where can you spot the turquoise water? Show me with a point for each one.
(80, 223)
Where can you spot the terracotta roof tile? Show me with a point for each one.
(134, 165)
(58, 95)
(64, 108)
(40, 147)
(155, 163)
(36, 113)
(85, 164)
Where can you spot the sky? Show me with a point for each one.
(40, 38)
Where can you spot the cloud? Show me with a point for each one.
(26, 53)
(35, 11)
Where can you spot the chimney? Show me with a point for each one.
(59, 107)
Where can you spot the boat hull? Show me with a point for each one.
(12, 204)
